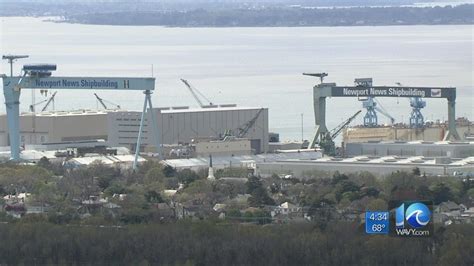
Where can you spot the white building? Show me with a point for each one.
(183, 125)
(228, 146)
(379, 166)
(57, 127)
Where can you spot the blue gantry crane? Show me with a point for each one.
(40, 77)
(416, 117)
(370, 118)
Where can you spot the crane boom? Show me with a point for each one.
(337, 130)
(102, 102)
(382, 110)
(51, 99)
(246, 127)
(195, 93)
(392, 120)
(327, 141)
(32, 106)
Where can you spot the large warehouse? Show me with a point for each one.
(183, 125)
(451, 149)
(378, 166)
(120, 128)
(56, 127)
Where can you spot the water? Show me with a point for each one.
(251, 66)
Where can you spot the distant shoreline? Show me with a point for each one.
(272, 17)
(59, 21)
(285, 17)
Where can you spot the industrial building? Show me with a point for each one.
(449, 149)
(245, 161)
(181, 125)
(57, 127)
(378, 166)
(389, 133)
(120, 128)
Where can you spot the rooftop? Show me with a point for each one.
(186, 109)
(417, 142)
(244, 160)
(413, 160)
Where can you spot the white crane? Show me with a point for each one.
(102, 102)
(195, 93)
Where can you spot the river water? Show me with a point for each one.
(251, 66)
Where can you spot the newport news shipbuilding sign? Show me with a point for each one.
(392, 92)
(83, 83)
(96, 83)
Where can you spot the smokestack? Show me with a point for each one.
(210, 176)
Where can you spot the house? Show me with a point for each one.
(190, 210)
(164, 211)
(288, 211)
(219, 207)
(449, 212)
(96, 204)
(15, 210)
(448, 206)
(21, 197)
(287, 208)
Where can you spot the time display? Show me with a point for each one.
(377, 222)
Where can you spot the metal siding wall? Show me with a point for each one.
(190, 125)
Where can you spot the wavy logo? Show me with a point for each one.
(417, 215)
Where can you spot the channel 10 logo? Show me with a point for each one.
(413, 219)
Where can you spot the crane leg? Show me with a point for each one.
(140, 132)
(155, 125)
(12, 104)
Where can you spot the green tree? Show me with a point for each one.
(416, 171)
(253, 183)
(104, 182)
(337, 177)
(153, 197)
(424, 193)
(441, 193)
(187, 176)
(45, 163)
(259, 197)
(169, 171)
(154, 174)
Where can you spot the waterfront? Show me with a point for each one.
(251, 66)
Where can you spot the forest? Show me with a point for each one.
(218, 243)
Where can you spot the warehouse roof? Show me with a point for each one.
(417, 142)
(414, 160)
(110, 159)
(241, 161)
(185, 109)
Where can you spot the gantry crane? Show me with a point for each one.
(195, 93)
(321, 76)
(370, 118)
(416, 117)
(103, 101)
(39, 77)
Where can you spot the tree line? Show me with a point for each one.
(283, 17)
(212, 243)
